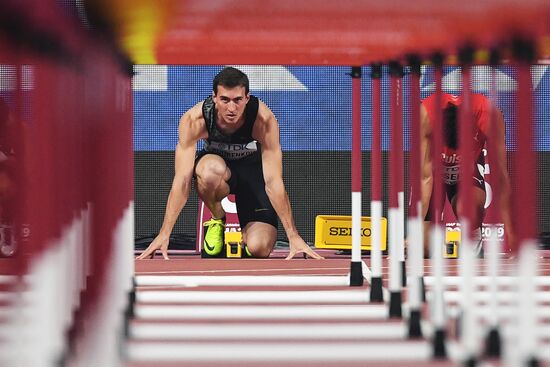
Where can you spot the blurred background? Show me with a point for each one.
(90, 97)
(313, 107)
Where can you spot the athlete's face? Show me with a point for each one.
(230, 103)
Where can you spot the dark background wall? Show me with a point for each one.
(317, 183)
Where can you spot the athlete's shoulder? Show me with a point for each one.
(193, 114)
(480, 100)
(264, 112)
(192, 123)
(428, 99)
(481, 105)
(446, 98)
(429, 103)
(265, 124)
(481, 108)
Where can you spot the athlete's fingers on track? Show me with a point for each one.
(307, 251)
(291, 255)
(314, 255)
(147, 254)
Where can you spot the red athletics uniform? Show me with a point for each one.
(481, 108)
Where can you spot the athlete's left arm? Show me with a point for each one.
(266, 132)
(500, 172)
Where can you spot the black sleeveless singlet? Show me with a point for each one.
(235, 146)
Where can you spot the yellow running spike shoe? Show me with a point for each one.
(213, 239)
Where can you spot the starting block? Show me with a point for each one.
(452, 241)
(334, 232)
(233, 242)
(233, 247)
(233, 250)
(451, 250)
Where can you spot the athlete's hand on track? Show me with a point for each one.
(159, 243)
(297, 246)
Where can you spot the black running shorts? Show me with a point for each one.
(248, 185)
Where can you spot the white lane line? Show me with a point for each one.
(484, 297)
(253, 271)
(301, 280)
(485, 280)
(238, 280)
(280, 352)
(8, 312)
(504, 312)
(8, 279)
(340, 296)
(11, 331)
(8, 296)
(544, 354)
(285, 331)
(214, 271)
(224, 312)
(457, 354)
(344, 296)
(508, 330)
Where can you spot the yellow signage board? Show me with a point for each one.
(452, 241)
(334, 232)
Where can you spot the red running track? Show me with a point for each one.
(273, 322)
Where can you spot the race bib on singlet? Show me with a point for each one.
(451, 174)
(232, 151)
(451, 164)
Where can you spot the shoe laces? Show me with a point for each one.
(214, 222)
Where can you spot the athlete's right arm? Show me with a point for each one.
(191, 129)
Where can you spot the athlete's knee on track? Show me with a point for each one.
(259, 246)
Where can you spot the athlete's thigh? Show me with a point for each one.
(478, 201)
(253, 204)
(211, 164)
(430, 213)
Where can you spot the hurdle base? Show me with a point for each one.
(395, 305)
(403, 274)
(423, 289)
(415, 330)
(376, 294)
(438, 343)
(470, 362)
(61, 360)
(493, 344)
(356, 274)
(129, 311)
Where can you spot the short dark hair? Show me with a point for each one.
(230, 77)
(450, 126)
